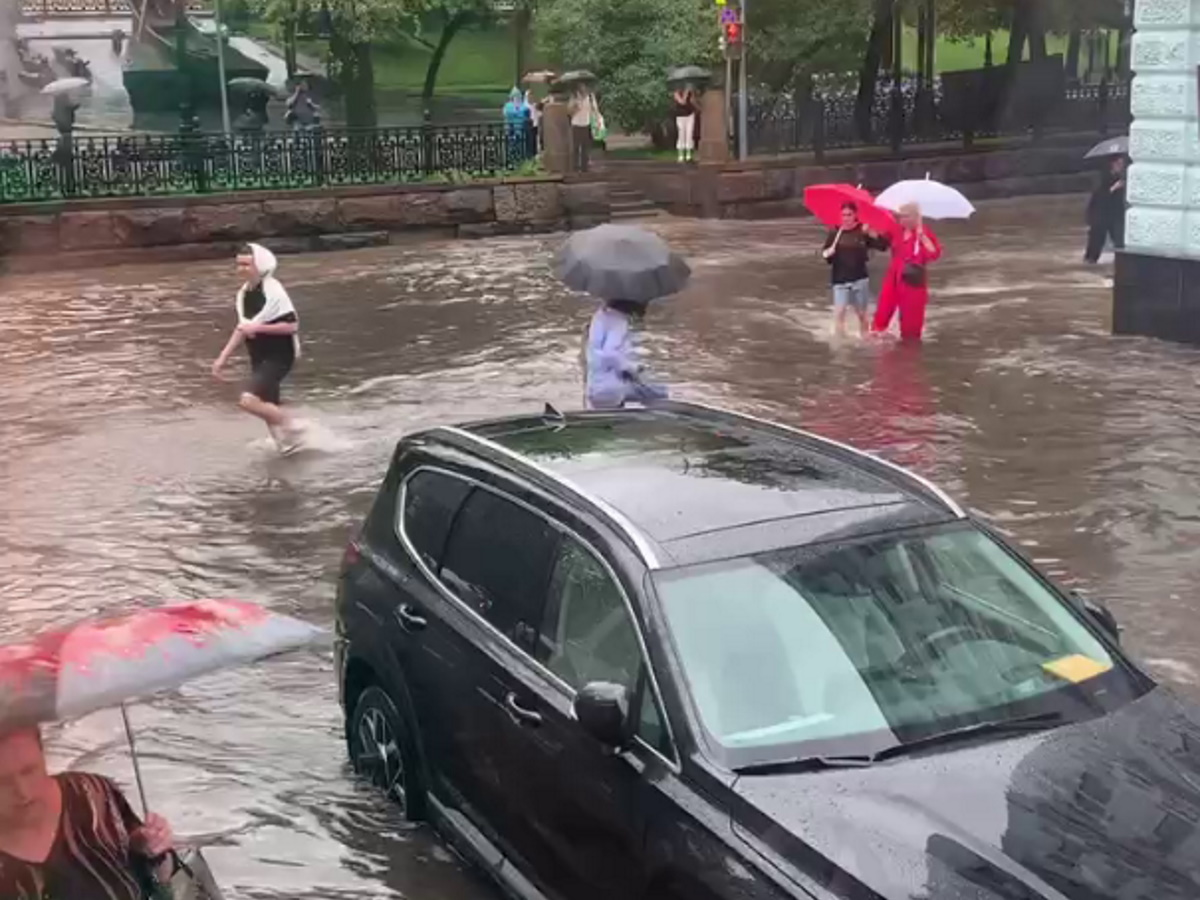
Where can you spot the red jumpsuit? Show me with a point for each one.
(906, 248)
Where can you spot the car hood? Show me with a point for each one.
(1101, 810)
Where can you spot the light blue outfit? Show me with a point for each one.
(613, 372)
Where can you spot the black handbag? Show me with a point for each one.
(914, 275)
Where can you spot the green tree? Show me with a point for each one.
(353, 26)
(791, 40)
(630, 45)
(451, 16)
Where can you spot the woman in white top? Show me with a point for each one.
(582, 108)
(612, 371)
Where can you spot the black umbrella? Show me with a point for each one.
(252, 86)
(579, 76)
(1114, 146)
(621, 262)
(689, 75)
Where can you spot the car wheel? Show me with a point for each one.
(383, 749)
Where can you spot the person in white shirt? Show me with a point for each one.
(582, 108)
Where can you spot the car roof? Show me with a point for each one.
(702, 483)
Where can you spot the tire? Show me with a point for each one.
(383, 749)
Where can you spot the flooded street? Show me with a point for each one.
(128, 476)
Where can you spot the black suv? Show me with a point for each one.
(682, 653)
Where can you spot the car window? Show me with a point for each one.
(430, 501)
(497, 561)
(848, 646)
(650, 723)
(587, 634)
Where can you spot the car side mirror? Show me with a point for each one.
(602, 709)
(1103, 616)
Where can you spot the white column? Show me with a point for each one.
(1164, 181)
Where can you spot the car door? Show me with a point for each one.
(584, 826)
(495, 566)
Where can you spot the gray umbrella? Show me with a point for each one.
(689, 75)
(621, 262)
(1114, 146)
(253, 86)
(579, 76)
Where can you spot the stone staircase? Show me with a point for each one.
(628, 203)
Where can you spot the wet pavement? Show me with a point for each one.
(127, 475)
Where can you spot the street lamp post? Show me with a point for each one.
(743, 100)
(221, 68)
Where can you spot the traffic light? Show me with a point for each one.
(733, 33)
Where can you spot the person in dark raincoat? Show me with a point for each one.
(906, 283)
(1106, 211)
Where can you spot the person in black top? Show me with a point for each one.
(269, 327)
(1106, 211)
(846, 250)
(683, 108)
(72, 836)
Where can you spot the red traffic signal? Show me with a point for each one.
(733, 32)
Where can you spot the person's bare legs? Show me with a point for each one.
(839, 322)
(279, 423)
(864, 325)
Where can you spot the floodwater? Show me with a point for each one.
(128, 476)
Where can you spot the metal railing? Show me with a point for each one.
(786, 124)
(75, 166)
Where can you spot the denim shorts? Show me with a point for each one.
(854, 293)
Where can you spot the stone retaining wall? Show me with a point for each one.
(775, 187)
(99, 231)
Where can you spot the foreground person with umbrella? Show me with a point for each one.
(626, 268)
(74, 836)
(856, 226)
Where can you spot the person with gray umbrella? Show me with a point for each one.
(626, 268)
(1106, 208)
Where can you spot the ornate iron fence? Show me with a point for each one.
(787, 123)
(75, 166)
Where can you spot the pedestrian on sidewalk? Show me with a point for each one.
(906, 284)
(847, 250)
(683, 108)
(1106, 211)
(583, 113)
(269, 327)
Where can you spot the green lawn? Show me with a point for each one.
(954, 55)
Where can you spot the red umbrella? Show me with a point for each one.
(106, 662)
(825, 201)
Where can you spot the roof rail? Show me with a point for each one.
(924, 485)
(618, 519)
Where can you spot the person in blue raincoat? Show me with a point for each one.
(612, 372)
(516, 122)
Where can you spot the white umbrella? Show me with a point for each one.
(62, 85)
(934, 199)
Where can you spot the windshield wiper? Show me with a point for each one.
(1021, 724)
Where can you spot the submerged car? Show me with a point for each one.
(683, 654)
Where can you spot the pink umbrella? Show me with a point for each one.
(107, 662)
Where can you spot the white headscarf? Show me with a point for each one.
(276, 303)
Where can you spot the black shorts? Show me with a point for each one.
(266, 379)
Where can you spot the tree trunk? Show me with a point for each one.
(1074, 44)
(868, 77)
(1018, 33)
(521, 21)
(289, 41)
(356, 78)
(453, 25)
(987, 50)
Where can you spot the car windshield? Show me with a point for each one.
(843, 649)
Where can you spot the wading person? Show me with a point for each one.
(613, 372)
(1106, 211)
(72, 836)
(269, 327)
(906, 284)
(683, 108)
(847, 249)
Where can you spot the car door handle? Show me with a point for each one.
(410, 619)
(519, 714)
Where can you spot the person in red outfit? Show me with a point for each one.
(906, 284)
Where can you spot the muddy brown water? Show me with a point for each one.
(127, 475)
